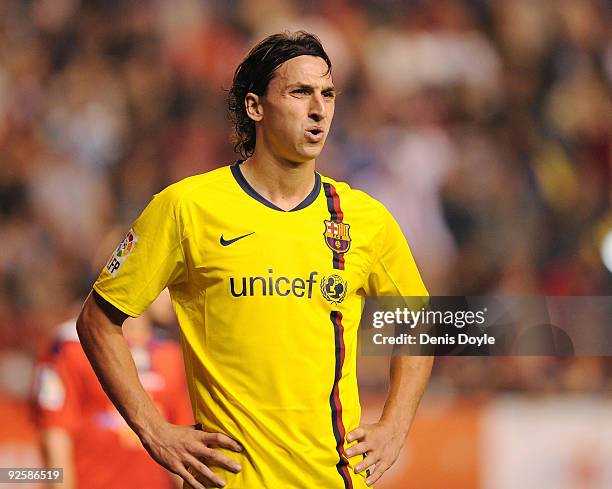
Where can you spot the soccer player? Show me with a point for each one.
(83, 433)
(267, 263)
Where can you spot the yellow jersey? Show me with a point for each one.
(269, 304)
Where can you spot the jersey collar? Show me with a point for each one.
(239, 177)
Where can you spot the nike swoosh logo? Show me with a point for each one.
(227, 242)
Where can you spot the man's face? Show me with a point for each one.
(297, 109)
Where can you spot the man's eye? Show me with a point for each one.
(300, 90)
(329, 94)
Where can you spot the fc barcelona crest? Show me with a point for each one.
(337, 236)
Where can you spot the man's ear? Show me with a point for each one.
(253, 106)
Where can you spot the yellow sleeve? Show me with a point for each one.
(148, 260)
(393, 271)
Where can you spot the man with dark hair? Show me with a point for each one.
(267, 263)
(254, 75)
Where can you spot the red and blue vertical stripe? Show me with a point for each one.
(336, 215)
(334, 400)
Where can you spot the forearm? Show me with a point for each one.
(381, 442)
(408, 378)
(177, 448)
(110, 357)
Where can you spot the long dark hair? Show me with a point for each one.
(254, 74)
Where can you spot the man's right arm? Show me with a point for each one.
(174, 447)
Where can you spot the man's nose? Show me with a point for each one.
(317, 107)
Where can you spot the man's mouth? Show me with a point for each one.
(314, 134)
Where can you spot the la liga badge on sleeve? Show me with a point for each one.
(122, 252)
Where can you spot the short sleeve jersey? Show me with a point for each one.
(269, 304)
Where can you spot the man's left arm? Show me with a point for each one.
(393, 273)
(382, 442)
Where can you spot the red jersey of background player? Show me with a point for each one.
(106, 452)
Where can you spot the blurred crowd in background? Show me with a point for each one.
(483, 125)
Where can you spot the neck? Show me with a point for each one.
(283, 183)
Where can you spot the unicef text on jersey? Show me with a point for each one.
(281, 286)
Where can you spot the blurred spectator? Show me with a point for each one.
(82, 431)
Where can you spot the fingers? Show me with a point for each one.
(217, 458)
(219, 440)
(366, 463)
(188, 478)
(181, 447)
(358, 449)
(357, 434)
(376, 474)
(205, 472)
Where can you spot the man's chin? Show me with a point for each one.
(311, 152)
(303, 157)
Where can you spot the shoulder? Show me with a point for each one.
(360, 210)
(205, 191)
(196, 187)
(351, 198)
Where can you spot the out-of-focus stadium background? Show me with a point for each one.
(483, 125)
